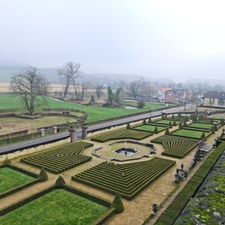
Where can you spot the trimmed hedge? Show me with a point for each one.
(176, 146)
(121, 134)
(127, 179)
(60, 159)
(170, 215)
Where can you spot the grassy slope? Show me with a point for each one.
(56, 208)
(95, 113)
(10, 179)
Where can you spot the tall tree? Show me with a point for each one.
(69, 75)
(29, 84)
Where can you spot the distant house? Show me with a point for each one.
(170, 97)
(214, 98)
(162, 93)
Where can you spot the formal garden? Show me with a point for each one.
(127, 179)
(176, 146)
(60, 158)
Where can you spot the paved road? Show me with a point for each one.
(49, 139)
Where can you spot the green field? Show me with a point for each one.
(10, 179)
(190, 133)
(149, 128)
(96, 114)
(201, 125)
(166, 122)
(58, 207)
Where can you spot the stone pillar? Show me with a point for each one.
(42, 130)
(55, 129)
(72, 134)
(84, 131)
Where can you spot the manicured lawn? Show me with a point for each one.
(201, 125)
(10, 179)
(58, 207)
(149, 128)
(190, 133)
(167, 122)
(95, 113)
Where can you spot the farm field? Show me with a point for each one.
(176, 146)
(190, 133)
(127, 179)
(96, 114)
(10, 179)
(149, 128)
(60, 158)
(13, 124)
(121, 134)
(57, 207)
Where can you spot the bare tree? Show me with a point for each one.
(29, 84)
(69, 74)
(98, 89)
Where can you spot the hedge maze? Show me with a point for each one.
(121, 134)
(176, 146)
(127, 179)
(61, 158)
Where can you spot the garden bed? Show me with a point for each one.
(60, 159)
(127, 179)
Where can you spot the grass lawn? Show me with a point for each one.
(10, 179)
(149, 128)
(95, 113)
(190, 133)
(201, 125)
(164, 121)
(58, 207)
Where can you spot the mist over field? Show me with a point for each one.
(175, 40)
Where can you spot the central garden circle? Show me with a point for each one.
(124, 151)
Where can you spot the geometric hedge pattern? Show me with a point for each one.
(176, 146)
(61, 158)
(128, 179)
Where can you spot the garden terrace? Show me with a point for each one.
(190, 133)
(127, 179)
(149, 128)
(176, 146)
(13, 179)
(121, 134)
(60, 159)
(57, 206)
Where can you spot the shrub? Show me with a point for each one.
(156, 130)
(128, 126)
(174, 123)
(144, 122)
(60, 182)
(149, 120)
(167, 131)
(203, 135)
(43, 176)
(118, 204)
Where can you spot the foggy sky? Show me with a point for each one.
(179, 39)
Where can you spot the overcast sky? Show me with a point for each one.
(178, 39)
